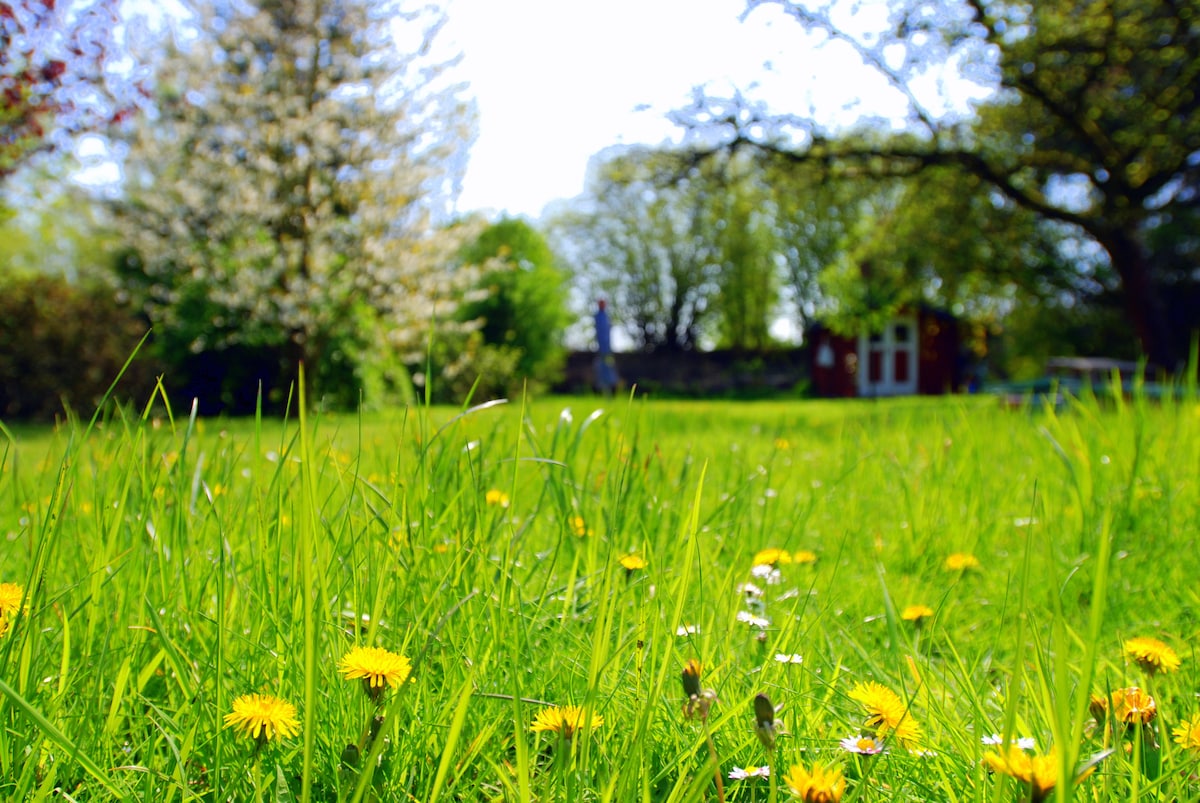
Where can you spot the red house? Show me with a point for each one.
(918, 352)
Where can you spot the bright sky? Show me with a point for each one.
(557, 81)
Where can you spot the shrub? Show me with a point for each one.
(62, 345)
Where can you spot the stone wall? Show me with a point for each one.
(696, 373)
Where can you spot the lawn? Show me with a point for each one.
(618, 600)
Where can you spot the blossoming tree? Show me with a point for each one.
(288, 193)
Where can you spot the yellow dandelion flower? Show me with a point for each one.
(782, 444)
(1187, 735)
(565, 720)
(804, 556)
(11, 595)
(961, 562)
(1040, 772)
(691, 678)
(376, 667)
(772, 556)
(915, 613)
(816, 785)
(262, 717)
(886, 713)
(633, 561)
(496, 498)
(1152, 655)
(579, 526)
(1132, 706)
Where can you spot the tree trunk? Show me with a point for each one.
(1142, 302)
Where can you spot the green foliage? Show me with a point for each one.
(746, 245)
(463, 367)
(1087, 119)
(641, 238)
(62, 345)
(523, 308)
(284, 205)
(166, 568)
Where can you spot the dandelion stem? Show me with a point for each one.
(771, 777)
(712, 754)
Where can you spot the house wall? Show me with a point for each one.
(938, 362)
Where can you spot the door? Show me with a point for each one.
(887, 360)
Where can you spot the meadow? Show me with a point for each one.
(606, 600)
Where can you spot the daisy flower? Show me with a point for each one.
(753, 620)
(863, 745)
(262, 717)
(1023, 742)
(767, 573)
(789, 658)
(739, 774)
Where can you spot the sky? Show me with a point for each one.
(557, 81)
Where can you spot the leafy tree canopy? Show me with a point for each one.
(1091, 119)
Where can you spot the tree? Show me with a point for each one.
(53, 77)
(745, 240)
(523, 304)
(641, 241)
(1092, 118)
(285, 194)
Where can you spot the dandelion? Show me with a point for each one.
(772, 556)
(782, 444)
(579, 527)
(699, 700)
(961, 562)
(789, 658)
(262, 717)
(1132, 706)
(804, 556)
(862, 745)
(691, 678)
(496, 498)
(1187, 735)
(886, 713)
(764, 721)
(916, 613)
(11, 595)
(633, 562)
(818, 785)
(1152, 655)
(739, 774)
(1040, 772)
(565, 720)
(376, 667)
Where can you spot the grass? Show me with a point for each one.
(168, 566)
